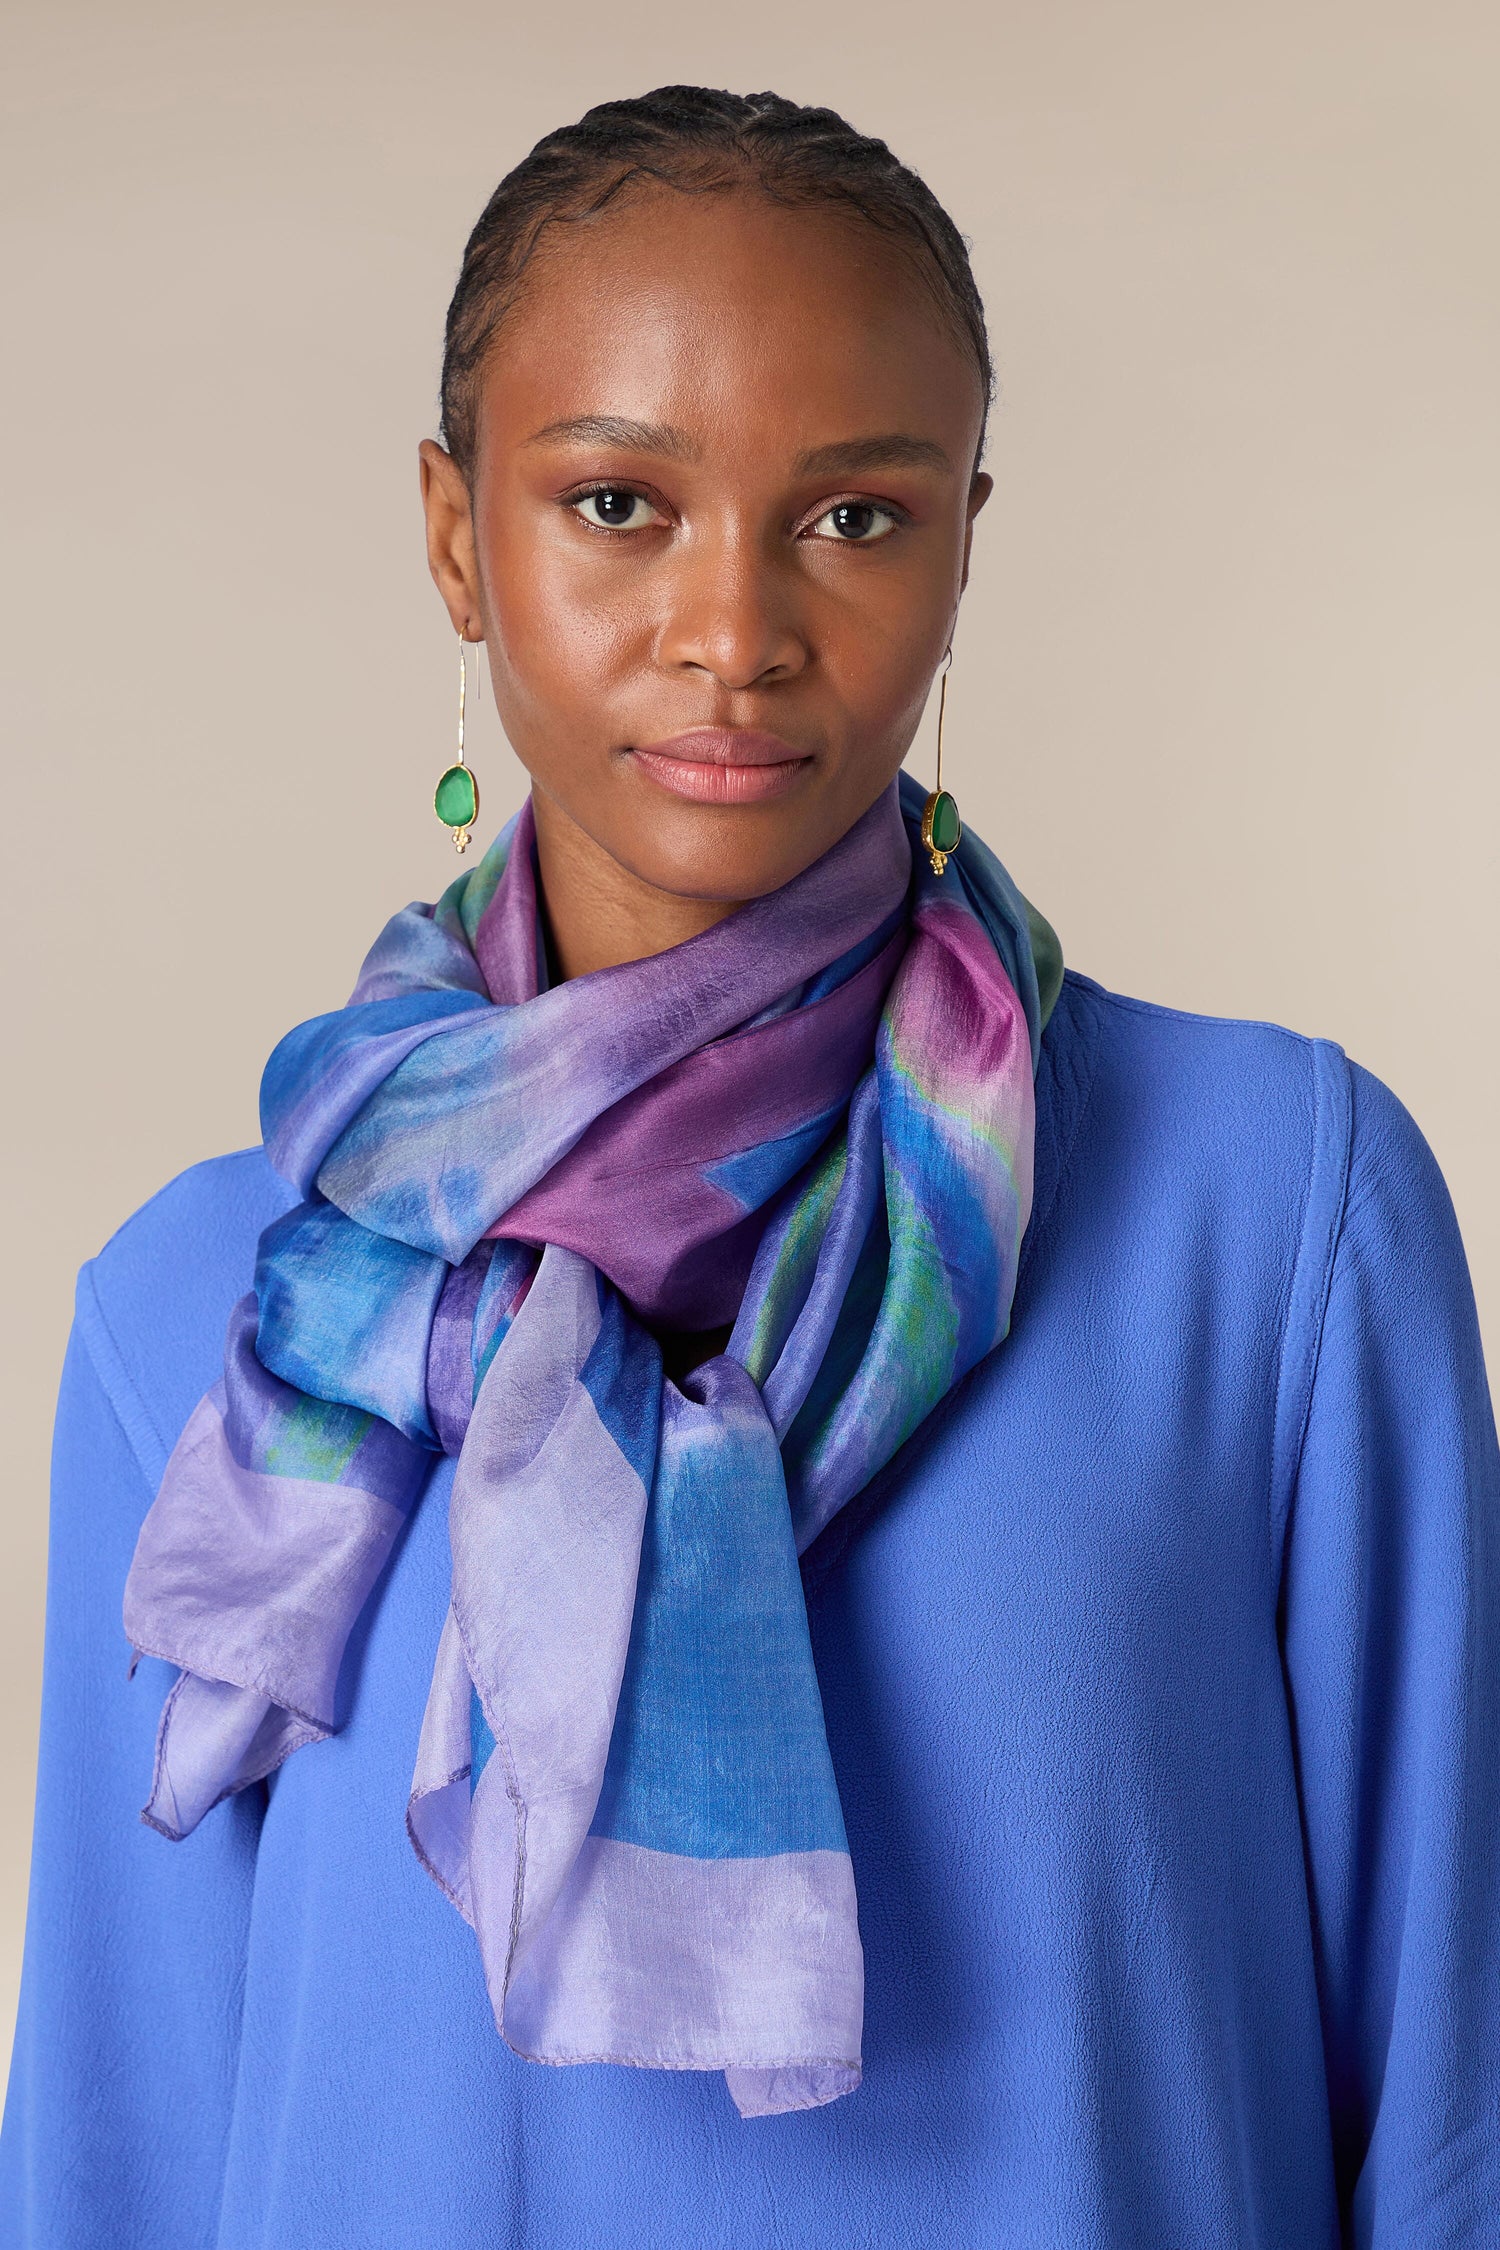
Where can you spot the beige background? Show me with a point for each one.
(1225, 691)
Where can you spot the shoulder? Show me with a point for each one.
(1190, 1106)
(1206, 1063)
(1261, 1081)
(152, 1307)
(1228, 1124)
(1240, 1185)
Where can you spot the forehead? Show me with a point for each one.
(734, 315)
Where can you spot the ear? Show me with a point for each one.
(450, 538)
(979, 491)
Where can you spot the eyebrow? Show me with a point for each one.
(846, 457)
(893, 451)
(616, 429)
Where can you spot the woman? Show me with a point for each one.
(882, 1513)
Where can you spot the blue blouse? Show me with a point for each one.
(1161, 1674)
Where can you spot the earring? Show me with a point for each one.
(456, 798)
(941, 826)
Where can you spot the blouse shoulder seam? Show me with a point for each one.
(1312, 1274)
(134, 1416)
(1127, 1003)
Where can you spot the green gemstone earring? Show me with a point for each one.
(456, 798)
(941, 826)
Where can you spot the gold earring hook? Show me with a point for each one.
(941, 826)
(947, 666)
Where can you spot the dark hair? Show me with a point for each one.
(693, 138)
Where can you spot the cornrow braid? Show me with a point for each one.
(694, 139)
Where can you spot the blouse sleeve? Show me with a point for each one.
(1392, 1654)
(127, 2041)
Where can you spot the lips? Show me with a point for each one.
(722, 765)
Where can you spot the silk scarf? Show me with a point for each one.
(810, 1126)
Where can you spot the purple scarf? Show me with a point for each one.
(813, 1125)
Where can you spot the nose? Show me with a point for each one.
(732, 613)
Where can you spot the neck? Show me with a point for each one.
(598, 913)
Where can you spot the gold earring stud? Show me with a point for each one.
(942, 829)
(456, 798)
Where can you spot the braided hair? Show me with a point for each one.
(694, 139)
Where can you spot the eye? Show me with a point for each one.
(857, 522)
(609, 507)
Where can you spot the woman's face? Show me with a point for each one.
(718, 528)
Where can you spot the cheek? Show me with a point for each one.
(562, 624)
(881, 651)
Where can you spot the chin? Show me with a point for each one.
(725, 870)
